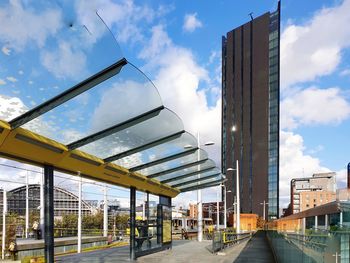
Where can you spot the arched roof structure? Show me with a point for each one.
(64, 200)
(98, 114)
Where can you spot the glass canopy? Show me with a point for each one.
(72, 84)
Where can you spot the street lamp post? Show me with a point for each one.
(225, 209)
(105, 212)
(238, 214)
(199, 192)
(218, 209)
(199, 201)
(264, 205)
(27, 205)
(79, 212)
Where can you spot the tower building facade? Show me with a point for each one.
(250, 104)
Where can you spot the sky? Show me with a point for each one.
(177, 44)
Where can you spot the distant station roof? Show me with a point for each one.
(76, 103)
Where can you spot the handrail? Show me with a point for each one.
(225, 238)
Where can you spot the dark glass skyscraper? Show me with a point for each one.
(250, 103)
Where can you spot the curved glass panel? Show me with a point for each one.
(48, 47)
(164, 124)
(211, 180)
(209, 163)
(124, 96)
(198, 155)
(158, 152)
(194, 177)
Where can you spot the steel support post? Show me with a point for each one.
(4, 210)
(42, 213)
(159, 223)
(132, 222)
(49, 213)
(27, 205)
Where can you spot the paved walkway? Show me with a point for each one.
(257, 250)
(185, 251)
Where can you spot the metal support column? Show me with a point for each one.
(341, 219)
(159, 224)
(42, 213)
(4, 210)
(27, 205)
(132, 222)
(49, 212)
(147, 207)
(316, 222)
(303, 226)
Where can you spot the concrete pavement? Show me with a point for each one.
(185, 251)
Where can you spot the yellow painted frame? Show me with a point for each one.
(29, 147)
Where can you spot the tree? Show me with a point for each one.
(93, 221)
(121, 221)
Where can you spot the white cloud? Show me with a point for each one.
(6, 50)
(178, 76)
(67, 61)
(342, 178)
(294, 163)
(159, 41)
(314, 49)
(13, 177)
(11, 108)
(345, 72)
(191, 22)
(11, 79)
(2, 82)
(19, 26)
(313, 106)
(20, 72)
(113, 100)
(125, 18)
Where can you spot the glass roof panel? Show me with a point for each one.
(207, 164)
(164, 124)
(175, 163)
(124, 96)
(211, 180)
(158, 152)
(50, 48)
(194, 177)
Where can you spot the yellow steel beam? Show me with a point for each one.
(26, 146)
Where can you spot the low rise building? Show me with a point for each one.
(312, 191)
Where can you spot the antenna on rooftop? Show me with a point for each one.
(251, 15)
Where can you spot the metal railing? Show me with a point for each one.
(320, 248)
(225, 238)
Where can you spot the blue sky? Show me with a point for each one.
(178, 45)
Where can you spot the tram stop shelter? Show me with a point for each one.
(101, 119)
